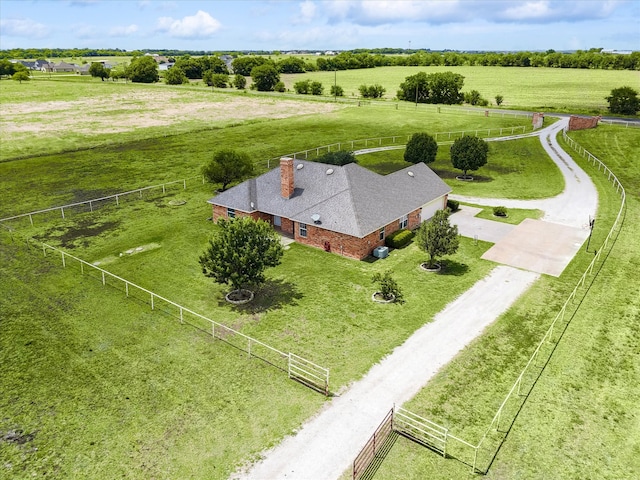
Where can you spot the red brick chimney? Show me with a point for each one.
(286, 177)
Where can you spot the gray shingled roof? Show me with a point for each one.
(351, 200)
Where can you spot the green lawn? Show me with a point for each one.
(514, 169)
(104, 387)
(580, 419)
(514, 215)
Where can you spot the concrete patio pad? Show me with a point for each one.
(538, 246)
(472, 227)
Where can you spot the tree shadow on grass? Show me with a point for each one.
(449, 174)
(273, 294)
(449, 267)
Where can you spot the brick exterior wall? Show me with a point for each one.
(538, 120)
(340, 243)
(582, 123)
(346, 245)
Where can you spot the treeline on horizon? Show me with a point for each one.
(593, 58)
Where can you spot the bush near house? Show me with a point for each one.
(399, 238)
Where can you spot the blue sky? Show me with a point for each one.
(321, 25)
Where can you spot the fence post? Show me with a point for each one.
(103, 280)
(181, 319)
(152, 301)
(184, 183)
(64, 264)
(62, 210)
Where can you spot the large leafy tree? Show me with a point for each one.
(265, 77)
(97, 70)
(437, 237)
(439, 87)
(421, 147)
(241, 252)
(624, 100)
(469, 153)
(244, 65)
(143, 69)
(228, 166)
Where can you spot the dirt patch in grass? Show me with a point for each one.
(73, 236)
(118, 113)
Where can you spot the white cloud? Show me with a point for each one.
(23, 27)
(528, 11)
(123, 31)
(200, 25)
(307, 13)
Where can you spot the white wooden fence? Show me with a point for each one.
(431, 434)
(440, 137)
(298, 368)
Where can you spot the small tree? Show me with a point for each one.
(372, 91)
(623, 100)
(388, 287)
(213, 79)
(241, 252)
(280, 87)
(437, 237)
(421, 147)
(499, 100)
(21, 76)
(175, 76)
(239, 82)
(469, 154)
(228, 166)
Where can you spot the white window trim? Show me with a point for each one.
(231, 212)
(404, 221)
(302, 227)
(381, 233)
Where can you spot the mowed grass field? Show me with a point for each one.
(103, 387)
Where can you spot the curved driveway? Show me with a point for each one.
(574, 205)
(326, 445)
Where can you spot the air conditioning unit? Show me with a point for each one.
(381, 252)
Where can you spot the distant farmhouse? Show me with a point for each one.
(347, 209)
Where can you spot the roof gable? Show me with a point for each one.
(351, 199)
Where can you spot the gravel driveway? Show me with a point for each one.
(326, 445)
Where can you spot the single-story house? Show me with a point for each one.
(64, 67)
(344, 209)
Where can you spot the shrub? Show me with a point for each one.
(387, 286)
(302, 87)
(499, 99)
(399, 238)
(338, 158)
(453, 205)
(337, 91)
(372, 91)
(280, 87)
(500, 211)
(316, 88)
(239, 82)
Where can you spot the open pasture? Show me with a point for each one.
(73, 351)
(535, 89)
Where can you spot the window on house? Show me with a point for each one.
(381, 232)
(404, 221)
(231, 213)
(303, 230)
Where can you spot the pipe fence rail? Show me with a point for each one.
(399, 140)
(437, 437)
(373, 446)
(97, 202)
(298, 368)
